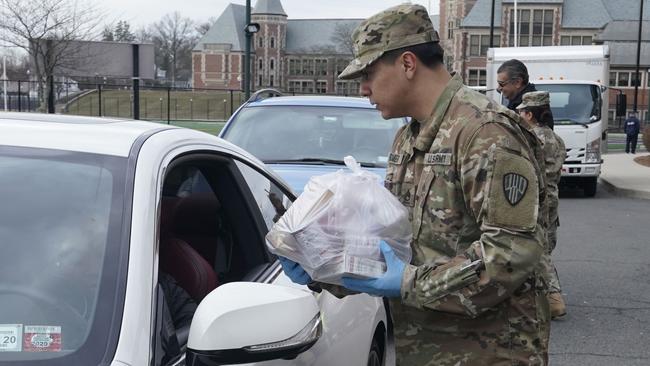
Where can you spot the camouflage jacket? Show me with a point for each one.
(472, 186)
(554, 154)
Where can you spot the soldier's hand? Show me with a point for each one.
(389, 285)
(294, 271)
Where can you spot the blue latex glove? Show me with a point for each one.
(294, 271)
(389, 285)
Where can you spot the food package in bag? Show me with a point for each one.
(334, 228)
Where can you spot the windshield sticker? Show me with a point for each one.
(42, 338)
(11, 337)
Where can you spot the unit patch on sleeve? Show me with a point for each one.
(514, 187)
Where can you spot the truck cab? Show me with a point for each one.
(573, 76)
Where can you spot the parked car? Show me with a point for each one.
(112, 231)
(302, 136)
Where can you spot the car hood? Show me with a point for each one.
(297, 175)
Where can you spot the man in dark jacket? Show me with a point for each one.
(512, 80)
(632, 128)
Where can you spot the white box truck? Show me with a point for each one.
(576, 78)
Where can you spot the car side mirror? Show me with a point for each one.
(245, 322)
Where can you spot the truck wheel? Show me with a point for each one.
(589, 186)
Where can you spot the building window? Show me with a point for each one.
(295, 66)
(259, 80)
(575, 40)
(272, 42)
(479, 44)
(308, 67)
(260, 63)
(321, 66)
(341, 64)
(535, 27)
(271, 80)
(272, 64)
(450, 30)
(476, 77)
(623, 79)
(260, 42)
(321, 87)
(347, 87)
(301, 86)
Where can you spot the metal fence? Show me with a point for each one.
(114, 99)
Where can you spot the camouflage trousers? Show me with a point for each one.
(516, 332)
(551, 276)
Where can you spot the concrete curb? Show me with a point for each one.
(624, 192)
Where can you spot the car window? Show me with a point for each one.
(209, 236)
(60, 227)
(303, 132)
(270, 198)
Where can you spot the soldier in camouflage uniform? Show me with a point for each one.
(535, 110)
(473, 293)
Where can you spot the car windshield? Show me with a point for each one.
(60, 234)
(574, 103)
(314, 133)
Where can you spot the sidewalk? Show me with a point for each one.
(622, 176)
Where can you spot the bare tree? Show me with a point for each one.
(46, 30)
(203, 28)
(342, 37)
(173, 38)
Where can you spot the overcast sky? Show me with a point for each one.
(144, 12)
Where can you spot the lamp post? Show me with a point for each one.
(249, 30)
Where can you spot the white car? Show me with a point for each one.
(113, 231)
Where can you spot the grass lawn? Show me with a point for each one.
(183, 105)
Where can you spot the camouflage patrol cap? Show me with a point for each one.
(534, 99)
(400, 26)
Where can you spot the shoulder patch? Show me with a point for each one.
(514, 187)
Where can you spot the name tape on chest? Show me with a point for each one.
(437, 159)
(396, 159)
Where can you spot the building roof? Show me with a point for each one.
(228, 29)
(318, 35)
(575, 16)
(620, 30)
(273, 7)
(479, 16)
(626, 9)
(624, 54)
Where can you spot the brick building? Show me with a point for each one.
(465, 35)
(294, 55)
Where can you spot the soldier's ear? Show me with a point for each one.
(408, 63)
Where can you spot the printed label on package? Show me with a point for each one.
(11, 337)
(42, 338)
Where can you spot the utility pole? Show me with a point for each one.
(516, 26)
(4, 80)
(637, 77)
(492, 25)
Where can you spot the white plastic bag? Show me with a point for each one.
(334, 228)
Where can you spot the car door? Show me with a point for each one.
(210, 232)
(352, 323)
